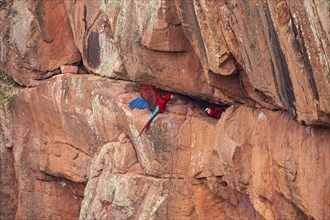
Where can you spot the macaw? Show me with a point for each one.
(214, 112)
(152, 100)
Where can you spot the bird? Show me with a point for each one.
(150, 98)
(214, 112)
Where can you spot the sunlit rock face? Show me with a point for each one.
(66, 140)
(72, 130)
(36, 39)
(273, 54)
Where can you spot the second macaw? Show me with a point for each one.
(150, 99)
(214, 112)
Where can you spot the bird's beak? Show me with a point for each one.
(172, 98)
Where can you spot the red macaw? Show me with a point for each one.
(151, 99)
(214, 112)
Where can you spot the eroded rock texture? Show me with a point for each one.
(56, 130)
(66, 147)
(8, 182)
(219, 48)
(36, 39)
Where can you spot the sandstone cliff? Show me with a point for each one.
(66, 147)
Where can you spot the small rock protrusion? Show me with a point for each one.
(122, 138)
(69, 69)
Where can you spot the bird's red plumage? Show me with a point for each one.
(154, 98)
(215, 112)
(149, 94)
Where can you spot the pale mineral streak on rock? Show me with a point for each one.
(69, 69)
(309, 130)
(261, 116)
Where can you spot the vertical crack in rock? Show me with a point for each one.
(282, 81)
(39, 8)
(189, 15)
(300, 47)
(85, 17)
(40, 13)
(91, 47)
(92, 50)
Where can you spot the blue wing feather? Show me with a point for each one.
(139, 103)
(142, 104)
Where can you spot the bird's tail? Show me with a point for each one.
(151, 117)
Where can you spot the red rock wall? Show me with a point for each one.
(65, 144)
(8, 181)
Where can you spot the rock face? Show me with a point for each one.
(281, 49)
(174, 171)
(56, 131)
(8, 182)
(36, 39)
(283, 46)
(66, 147)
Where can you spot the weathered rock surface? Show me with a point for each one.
(282, 45)
(121, 189)
(119, 37)
(174, 171)
(36, 39)
(8, 182)
(283, 48)
(57, 127)
(65, 140)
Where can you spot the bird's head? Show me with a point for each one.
(172, 97)
(169, 97)
(208, 110)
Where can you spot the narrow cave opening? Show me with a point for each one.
(211, 109)
(81, 67)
